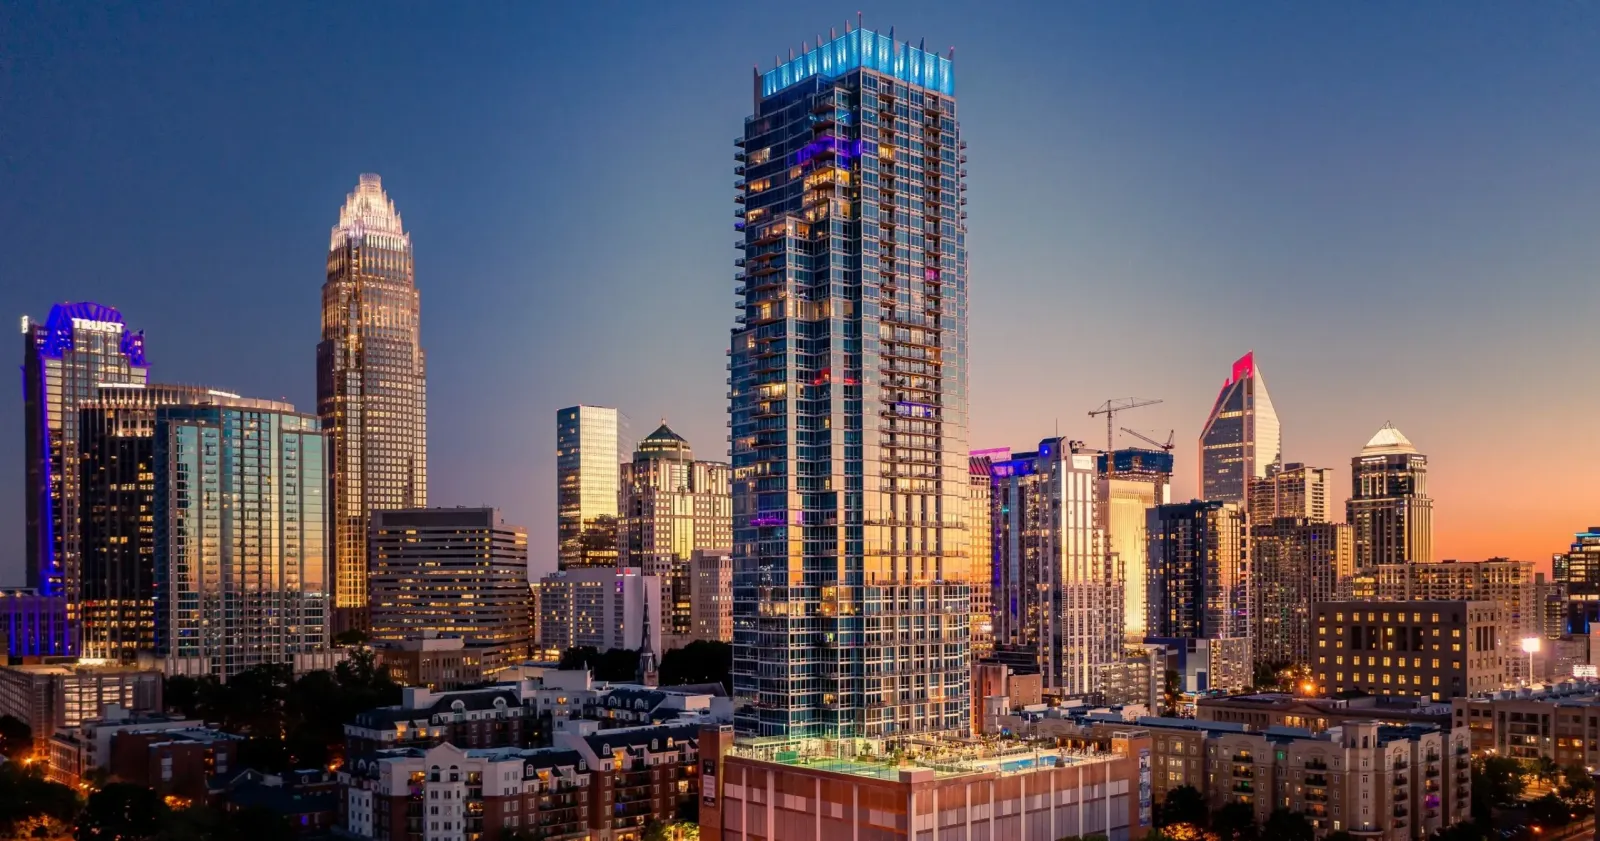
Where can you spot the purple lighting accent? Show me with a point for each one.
(769, 518)
(845, 149)
(58, 327)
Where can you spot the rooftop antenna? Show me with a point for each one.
(858, 20)
(921, 42)
(832, 34)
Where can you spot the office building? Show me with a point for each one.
(1509, 584)
(1369, 779)
(1058, 587)
(588, 458)
(1290, 490)
(80, 346)
(241, 535)
(372, 385)
(1200, 587)
(116, 506)
(600, 608)
(980, 534)
(1389, 509)
(673, 506)
(848, 384)
(1432, 649)
(51, 696)
(75, 752)
(711, 595)
(1550, 603)
(431, 661)
(1296, 562)
(34, 625)
(985, 791)
(1132, 481)
(1241, 438)
(451, 572)
(1577, 571)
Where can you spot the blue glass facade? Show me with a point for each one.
(241, 541)
(848, 399)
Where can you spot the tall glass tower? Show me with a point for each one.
(64, 358)
(1241, 438)
(848, 398)
(588, 477)
(372, 385)
(1389, 508)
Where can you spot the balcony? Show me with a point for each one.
(1244, 773)
(1401, 796)
(1400, 811)
(1316, 798)
(1317, 780)
(1244, 787)
(1316, 765)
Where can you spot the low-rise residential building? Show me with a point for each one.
(999, 790)
(525, 713)
(174, 763)
(308, 800)
(76, 752)
(1432, 649)
(1560, 723)
(592, 784)
(1372, 780)
(1262, 710)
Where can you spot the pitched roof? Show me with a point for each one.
(1387, 441)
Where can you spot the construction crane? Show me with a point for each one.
(1110, 409)
(1167, 447)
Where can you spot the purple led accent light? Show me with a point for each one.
(769, 518)
(845, 149)
(58, 327)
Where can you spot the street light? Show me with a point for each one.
(1530, 645)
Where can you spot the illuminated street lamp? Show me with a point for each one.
(1530, 645)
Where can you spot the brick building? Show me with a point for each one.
(1433, 649)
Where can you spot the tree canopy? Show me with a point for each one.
(701, 661)
(1184, 804)
(617, 665)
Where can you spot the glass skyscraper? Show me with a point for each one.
(848, 398)
(1200, 585)
(1132, 481)
(64, 358)
(588, 485)
(372, 386)
(1241, 437)
(240, 537)
(116, 501)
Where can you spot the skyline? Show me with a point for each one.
(1141, 176)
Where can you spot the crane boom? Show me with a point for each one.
(1110, 408)
(1167, 447)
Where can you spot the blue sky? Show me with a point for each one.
(1392, 204)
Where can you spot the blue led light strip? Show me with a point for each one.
(863, 48)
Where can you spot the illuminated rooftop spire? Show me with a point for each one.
(368, 210)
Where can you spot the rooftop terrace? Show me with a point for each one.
(885, 760)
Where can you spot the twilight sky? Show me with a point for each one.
(1393, 205)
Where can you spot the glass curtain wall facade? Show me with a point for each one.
(117, 486)
(848, 398)
(1290, 490)
(241, 537)
(1296, 562)
(64, 358)
(1241, 437)
(1061, 595)
(1132, 481)
(372, 384)
(980, 536)
(1389, 507)
(1200, 586)
(673, 507)
(588, 484)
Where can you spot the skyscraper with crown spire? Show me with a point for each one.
(372, 394)
(1389, 511)
(1241, 438)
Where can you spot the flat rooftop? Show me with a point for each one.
(883, 760)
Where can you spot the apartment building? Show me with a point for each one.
(1560, 723)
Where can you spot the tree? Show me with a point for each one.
(1496, 781)
(1284, 825)
(31, 806)
(1549, 811)
(1464, 831)
(122, 812)
(672, 831)
(1577, 789)
(16, 738)
(701, 661)
(579, 657)
(182, 695)
(1170, 692)
(1235, 822)
(1338, 835)
(1183, 804)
